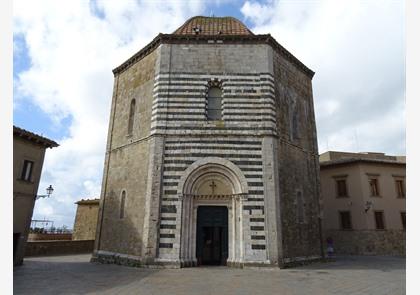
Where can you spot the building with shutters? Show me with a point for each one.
(212, 154)
(363, 202)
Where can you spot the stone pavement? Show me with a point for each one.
(76, 275)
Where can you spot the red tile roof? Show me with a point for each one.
(201, 25)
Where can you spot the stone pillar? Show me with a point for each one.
(152, 203)
(239, 220)
(272, 200)
(232, 224)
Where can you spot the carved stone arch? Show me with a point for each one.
(214, 82)
(197, 175)
(223, 167)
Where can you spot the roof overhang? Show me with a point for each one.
(34, 138)
(349, 161)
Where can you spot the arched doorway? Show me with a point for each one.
(212, 191)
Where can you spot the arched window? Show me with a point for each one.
(294, 121)
(214, 104)
(295, 124)
(131, 116)
(122, 205)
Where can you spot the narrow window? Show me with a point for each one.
(400, 188)
(131, 116)
(379, 220)
(345, 220)
(403, 219)
(214, 104)
(122, 205)
(374, 188)
(341, 188)
(27, 170)
(300, 207)
(295, 124)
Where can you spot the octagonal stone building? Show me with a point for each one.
(212, 153)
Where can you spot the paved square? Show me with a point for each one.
(75, 275)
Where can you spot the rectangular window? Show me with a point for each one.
(399, 183)
(341, 188)
(403, 219)
(345, 220)
(27, 170)
(379, 220)
(374, 187)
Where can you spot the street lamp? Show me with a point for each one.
(368, 205)
(49, 190)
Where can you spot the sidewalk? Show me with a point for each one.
(76, 275)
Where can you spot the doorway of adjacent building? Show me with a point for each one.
(16, 237)
(212, 235)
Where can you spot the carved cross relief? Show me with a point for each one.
(213, 187)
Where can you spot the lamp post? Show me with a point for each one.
(49, 190)
(368, 205)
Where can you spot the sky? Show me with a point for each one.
(64, 53)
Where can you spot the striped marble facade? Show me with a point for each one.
(248, 113)
(248, 104)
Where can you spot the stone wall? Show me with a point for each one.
(367, 242)
(49, 237)
(47, 248)
(298, 166)
(85, 222)
(127, 161)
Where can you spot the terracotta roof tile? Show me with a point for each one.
(202, 25)
(35, 138)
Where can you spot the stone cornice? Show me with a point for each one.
(348, 161)
(214, 197)
(88, 202)
(219, 39)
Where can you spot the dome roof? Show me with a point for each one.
(202, 25)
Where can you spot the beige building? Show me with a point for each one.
(212, 153)
(28, 158)
(363, 201)
(86, 220)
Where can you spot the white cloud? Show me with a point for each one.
(356, 49)
(73, 47)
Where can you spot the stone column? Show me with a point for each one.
(152, 203)
(240, 221)
(232, 252)
(271, 200)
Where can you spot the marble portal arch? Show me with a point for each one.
(212, 181)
